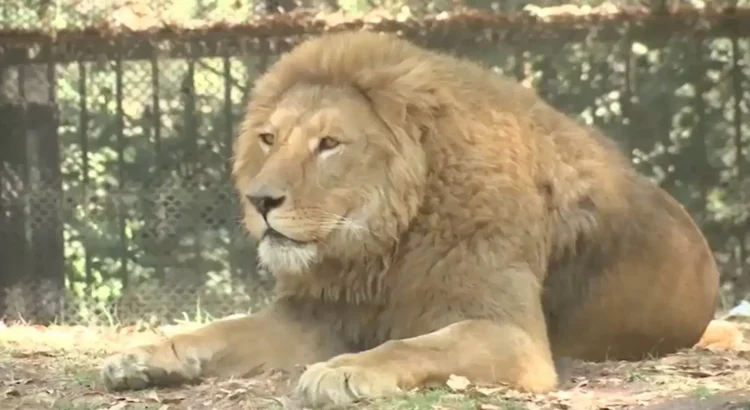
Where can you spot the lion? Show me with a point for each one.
(426, 217)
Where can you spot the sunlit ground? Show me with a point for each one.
(56, 367)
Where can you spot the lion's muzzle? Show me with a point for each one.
(265, 198)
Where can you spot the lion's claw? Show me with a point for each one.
(127, 371)
(139, 368)
(326, 383)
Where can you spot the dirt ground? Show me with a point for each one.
(56, 367)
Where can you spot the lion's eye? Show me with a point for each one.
(327, 143)
(267, 138)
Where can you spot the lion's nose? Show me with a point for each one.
(265, 199)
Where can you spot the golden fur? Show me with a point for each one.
(426, 217)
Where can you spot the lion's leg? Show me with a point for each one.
(231, 347)
(482, 351)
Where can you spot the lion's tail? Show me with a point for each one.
(720, 334)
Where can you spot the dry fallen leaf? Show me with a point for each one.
(489, 391)
(164, 400)
(513, 394)
(127, 400)
(457, 382)
(153, 396)
(535, 406)
(233, 394)
(37, 353)
(172, 399)
(581, 383)
(11, 392)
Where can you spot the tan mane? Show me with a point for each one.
(378, 65)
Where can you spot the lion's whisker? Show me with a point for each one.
(340, 221)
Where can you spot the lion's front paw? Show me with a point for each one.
(128, 370)
(142, 367)
(330, 383)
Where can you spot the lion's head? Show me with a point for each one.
(329, 161)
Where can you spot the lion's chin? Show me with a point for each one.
(286, 257)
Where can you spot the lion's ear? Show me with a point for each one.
(404, 93)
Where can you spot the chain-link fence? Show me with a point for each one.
(118, 118)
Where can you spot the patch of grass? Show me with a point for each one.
(414, 401)
(84, 377)
(703, 392)
(431, 398)
(635, 376)
(200, 315)
(443, 399)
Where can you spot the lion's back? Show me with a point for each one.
(618, 255)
